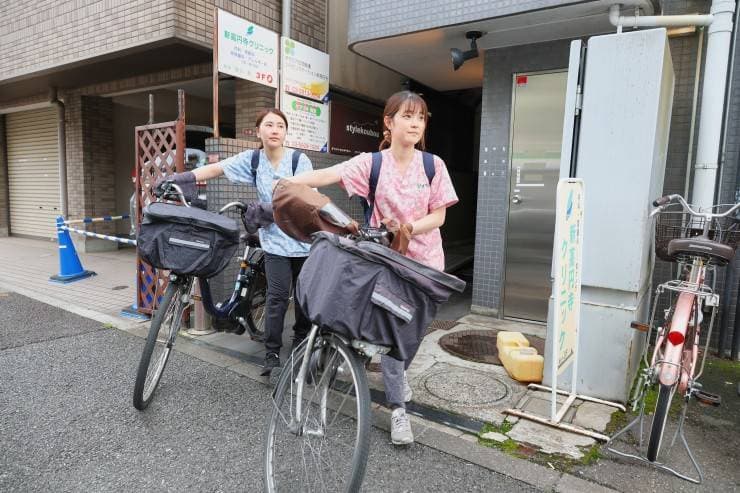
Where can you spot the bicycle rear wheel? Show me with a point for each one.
(159, 342)
(665, 395)
(256, 298)
(327, 449)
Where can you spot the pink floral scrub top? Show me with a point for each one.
(406, 197)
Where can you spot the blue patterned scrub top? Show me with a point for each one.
(239, 169)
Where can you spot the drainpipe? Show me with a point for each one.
(286, 14)
(719, 40)
(61, 149)
(620, 21)
(694, 101)
(286, 17)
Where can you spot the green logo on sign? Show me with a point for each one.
(250, 30)
(305, 107)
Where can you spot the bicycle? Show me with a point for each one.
(697, 242)
(245, 307)
(319, 429)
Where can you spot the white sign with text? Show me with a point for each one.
(246, 50)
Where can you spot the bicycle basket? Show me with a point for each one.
(366, 291)
(670, 225)
(186, 240)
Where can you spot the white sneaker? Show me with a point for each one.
(401, 428)
(408, 393)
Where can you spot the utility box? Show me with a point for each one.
(622, 146)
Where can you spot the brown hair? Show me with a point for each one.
(262, 114)
(394, 103)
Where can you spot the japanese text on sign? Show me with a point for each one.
(567, 266)
(246, 50)
(305, 70)
(308, 123)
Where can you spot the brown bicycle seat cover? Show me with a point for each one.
(296, 210)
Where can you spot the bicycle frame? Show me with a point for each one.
(243, 278)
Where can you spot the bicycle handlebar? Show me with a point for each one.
(666, 200)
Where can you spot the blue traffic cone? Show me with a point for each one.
(70, 267)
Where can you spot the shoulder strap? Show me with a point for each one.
(255, 164)
(296, 157)
(428, 159)
(374, 175)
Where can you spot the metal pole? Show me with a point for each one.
(62, 151)
(216, 133)
(151, 109)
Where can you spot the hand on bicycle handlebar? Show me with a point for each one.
(186, 182)
(661, 201)
(401, 234)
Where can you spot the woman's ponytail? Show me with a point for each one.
(386, 142)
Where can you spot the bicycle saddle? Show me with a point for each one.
(703, 247)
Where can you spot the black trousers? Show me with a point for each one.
(280, 272)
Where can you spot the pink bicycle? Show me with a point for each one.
(697, 242)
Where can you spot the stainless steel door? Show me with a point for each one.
(536, 139)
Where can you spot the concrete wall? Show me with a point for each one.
(353, 72)
(374, 19)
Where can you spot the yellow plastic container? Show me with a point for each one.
(521, 361)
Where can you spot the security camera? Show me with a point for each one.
(459, 57)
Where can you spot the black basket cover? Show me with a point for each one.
(187, 240)
(369, 292)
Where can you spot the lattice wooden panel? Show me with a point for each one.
(160, 151)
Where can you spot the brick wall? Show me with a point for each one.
(90, 170)
(221, 191)
(4, 201)
(47, 34)
(250, 99)
(44, 34)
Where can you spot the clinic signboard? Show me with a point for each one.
(246, 50)
(305, 70)
(308, 123)
(567, 285)
(352, 130)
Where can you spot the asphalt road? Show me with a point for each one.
(67, 423)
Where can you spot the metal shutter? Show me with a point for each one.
(33, 172)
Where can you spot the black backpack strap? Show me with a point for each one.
(369, 204)
(296, 157)
(428, 159)
(255, 164)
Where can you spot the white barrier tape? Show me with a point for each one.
(88, 220)
(102, 237)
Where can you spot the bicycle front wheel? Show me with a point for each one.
(324, 448)
(159, 342)
(665, 395)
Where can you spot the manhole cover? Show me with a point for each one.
(480, 345)
(466, 387)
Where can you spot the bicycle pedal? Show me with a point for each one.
(707, 398)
